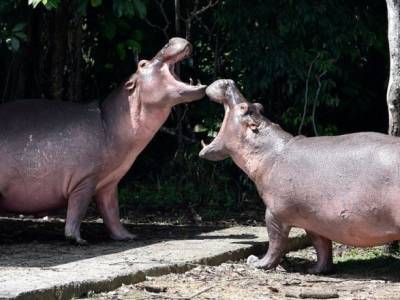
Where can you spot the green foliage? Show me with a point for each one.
(12, 37)
(366, 262)
(49, 4)
(12, 30)
(129, 8)
(274, 50)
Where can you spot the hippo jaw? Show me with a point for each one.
(215, 151)
(242, 121)
(176, 50)
(220, 91)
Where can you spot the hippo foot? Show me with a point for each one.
(77, 241)
(320, 269)
(254, 261)
(123, 235)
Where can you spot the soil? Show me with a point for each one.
(359, 274)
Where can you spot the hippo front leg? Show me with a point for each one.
(107, 203)
(278, 233)
(323, 247)
(78, 202)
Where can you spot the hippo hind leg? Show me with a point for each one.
(78, 203)
(278, 234)
(323, 247)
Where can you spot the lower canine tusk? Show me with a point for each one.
(203, 144)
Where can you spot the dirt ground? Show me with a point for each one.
(359, 274)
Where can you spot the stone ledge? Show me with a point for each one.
(106, 266)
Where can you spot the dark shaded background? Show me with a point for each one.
(80, 50)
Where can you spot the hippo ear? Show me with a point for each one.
(131, 83)
(259, 107)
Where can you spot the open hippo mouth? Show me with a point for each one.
(177, 50)
(223, 91)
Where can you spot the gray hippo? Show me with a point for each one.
(338, 188)
(56, 154)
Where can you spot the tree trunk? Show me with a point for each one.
(393, 91)
(66, 52)
(74, 55)
(59, 38)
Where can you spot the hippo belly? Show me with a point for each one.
(345, 192)
(32, 196)
(42, 162)
(357, 226)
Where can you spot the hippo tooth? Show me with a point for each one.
(198, 82)
(203, 144)
(190, 81)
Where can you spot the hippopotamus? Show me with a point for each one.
(56, 154)
(343, 188)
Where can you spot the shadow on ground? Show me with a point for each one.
(35, 243)
(384, 267)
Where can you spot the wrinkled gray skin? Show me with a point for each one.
(55, 154)
(343, 188)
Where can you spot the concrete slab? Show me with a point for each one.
(57, 270)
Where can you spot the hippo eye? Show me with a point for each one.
(142, 64)
(243, 107)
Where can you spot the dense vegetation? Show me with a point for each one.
(319, 67)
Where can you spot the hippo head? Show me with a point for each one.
(242, 120)
(156, 82)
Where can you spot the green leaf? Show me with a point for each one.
(34, 3)
(121, 51)
(21, 35)
(15, 44)
(200, 128)
(82, 7)
(51, 3)
(19, 27)
(110, 29)
(140, 7)
(95, 3)
(137, 35)
(133, 45)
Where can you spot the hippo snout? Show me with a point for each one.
(217, 90)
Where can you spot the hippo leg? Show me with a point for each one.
(107, 203)
(78, 203)
(323, 247)
(278, 236)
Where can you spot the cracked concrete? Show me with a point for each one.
(57, 270)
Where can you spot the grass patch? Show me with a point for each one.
(368, 263)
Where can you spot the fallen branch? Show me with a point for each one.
(181, 298)
(310, 294)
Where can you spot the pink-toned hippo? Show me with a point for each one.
(55, 154)
(343, 188)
